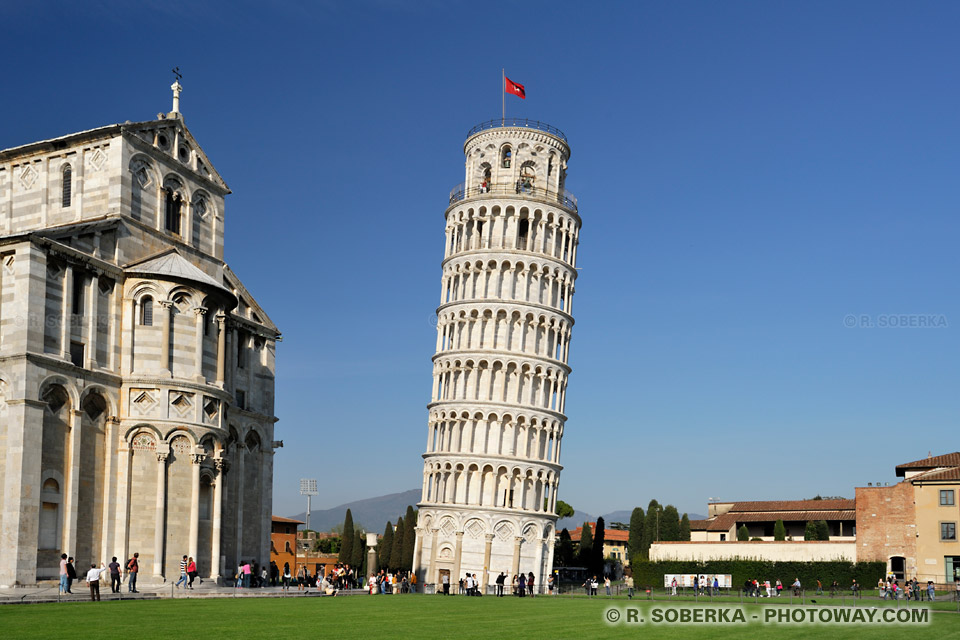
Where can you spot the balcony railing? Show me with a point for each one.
(517, 122)
(563, 197)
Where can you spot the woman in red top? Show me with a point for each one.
(191, 571)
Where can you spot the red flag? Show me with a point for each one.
(515, 88)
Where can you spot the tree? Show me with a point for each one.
(564, 554)
(779, 531)
(670, 524)
(743, 534)
(685, 528)
(586, 545)
(359, 556)
(385, 546)
(564, 510)
(596, 556)
(635, 542)
(346, 539)
(409, 539)
(651, 526)
(810, 531)
(823, 530)
(396, 552)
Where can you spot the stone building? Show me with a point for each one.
(136, 371)
(496, 417)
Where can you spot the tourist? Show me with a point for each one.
(796, 587)
(274, 573)
(484, 188)
(247, 573)
(191, 572)
(593, 586)
(499, 581)
(779, 587)
(476, 586)
(696, 585)
(264, 577)
(445, 580)
(854, 587)
(769, 588)
(114, 575)
(673, 587)
(133, 567)
(301, 577)
(550, 584)
(286, 576)
(413, 583)
(516, 585)
(628, 582)
(93, 581)
(716, 585)
(71, 575)
(522, 585)
(606, 585)
(64, 587)
(530, 583)
(819, 588)
(183, 573)
(834, 588)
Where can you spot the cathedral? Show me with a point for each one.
(136, 370)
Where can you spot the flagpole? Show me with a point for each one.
(503, 95)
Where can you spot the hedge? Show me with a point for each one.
(650, 574)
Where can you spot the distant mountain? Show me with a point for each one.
(372, 514)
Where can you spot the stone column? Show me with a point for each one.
(417, 552)
(195, 459)
(65, 310)
(90, 361)
(163, 451)
(538, 560)
(122, 505)
(221, 348)
(457, 553)
(109, 477)
(238, 499)
(433, 573)
(165, 365)
(217, 487)
(518, 540)
(487, 548)
(201, 313)
(132, 324)
(71, 495)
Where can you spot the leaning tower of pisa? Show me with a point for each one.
(496, 416)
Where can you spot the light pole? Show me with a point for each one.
(308, 487)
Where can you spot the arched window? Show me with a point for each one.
(67, 186)
(506, 154)
(172, 205)
(50, 500)
(146, 311)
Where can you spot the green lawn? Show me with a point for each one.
(430, 617)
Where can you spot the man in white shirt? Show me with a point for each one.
(93, 580)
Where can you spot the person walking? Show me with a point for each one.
(133, 567)
(114, 567)
(93, 581)
(64, 587)
(286, 576)
(191, 572)
(183, 573)
(500, 581)
(530, 581)
(71, 575)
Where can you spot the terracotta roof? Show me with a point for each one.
(950, 473)
(932, 462)
(795, 505)
(794, 516)
(699, 525)
(609, 535)
(279, 519)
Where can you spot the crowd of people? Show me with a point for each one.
(911, 589)
(396, 582)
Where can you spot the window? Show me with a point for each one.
(67, 186)
(76, 353)
(146, 311)
(948, 531)
(77, 294)
(241, 350)
(241, 399)
(172, 204)
(946, 498)
(505, 156)
(723, 537)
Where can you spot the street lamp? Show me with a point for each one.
(308, 487)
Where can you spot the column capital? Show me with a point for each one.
(221, 320)
(166, 304)
(162, 456)
(489, 537)
(519, 539)
(200, 311)
(459, 535)
(197, 458)
(434, 530)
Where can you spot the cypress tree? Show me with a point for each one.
(743, 534)
(396, 552)
(564, 554)
(685, 528)
(359, 552)
(651, 526)
(670, 524)
(823, 530)
(385, 546)
(586, 545)
(635, 543)
(346, 540)
(598, 538)
(779, 531)
(409, 539)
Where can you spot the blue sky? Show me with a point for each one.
(749, 174)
